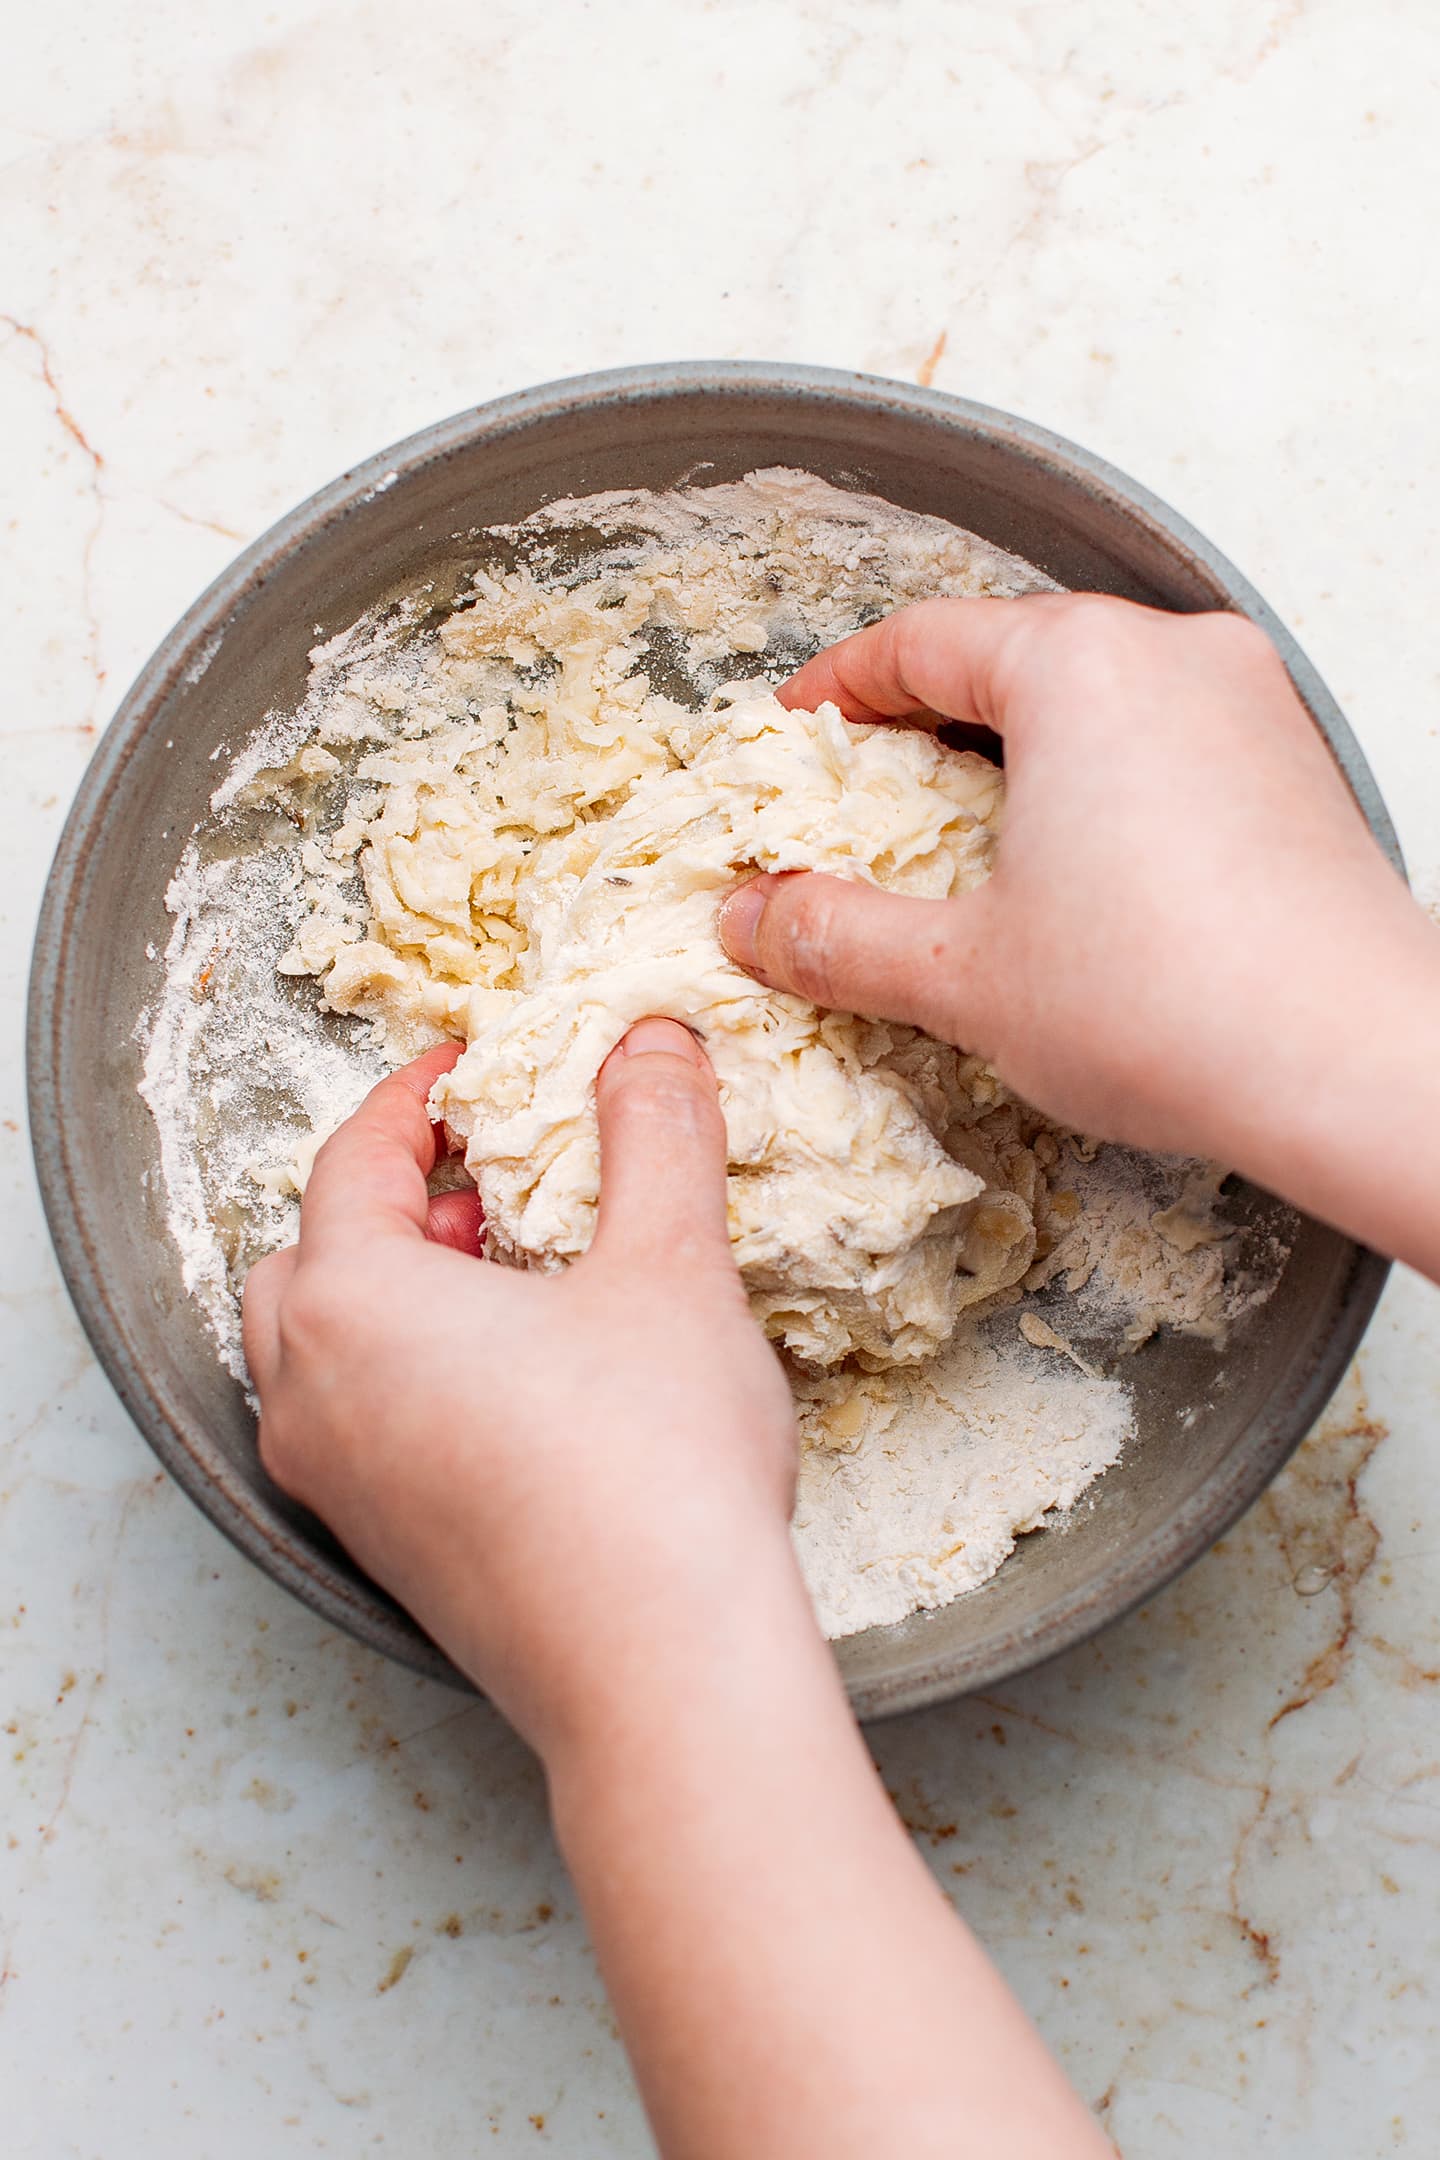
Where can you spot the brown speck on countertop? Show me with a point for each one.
(919, 1814)
(263, 1884)
(396, 1970)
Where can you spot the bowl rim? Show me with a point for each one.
(244, 1515)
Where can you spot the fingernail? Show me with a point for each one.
(666, 1037)
(740, 920)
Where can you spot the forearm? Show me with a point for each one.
(787, 1976)
(1340, 1111)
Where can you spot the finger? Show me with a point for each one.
(457, 1219)
(662, 1148)
(853, 948)
(260, 1314)
(369, 1178)
(940, 657)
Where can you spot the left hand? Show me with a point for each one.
(558, 1475)
(580, 1485)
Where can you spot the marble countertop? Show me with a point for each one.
(258, 1890)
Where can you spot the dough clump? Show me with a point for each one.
(856, 1231)
(544, 837)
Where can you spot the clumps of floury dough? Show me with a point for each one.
(543, 869)
(857, 1233)
(508, 817)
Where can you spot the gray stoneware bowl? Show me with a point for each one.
(387, 527)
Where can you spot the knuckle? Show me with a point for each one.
(906, 632)
(316, 1317)
(395, 1100)
(1102, 634)
(1094, 609)
(1092, 623)
(1090, 635)
(1238, 639)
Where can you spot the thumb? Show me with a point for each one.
(854, 948)
(662, 1149)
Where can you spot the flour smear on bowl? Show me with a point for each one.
(510, 821)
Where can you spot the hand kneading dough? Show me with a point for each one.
(857, 1230)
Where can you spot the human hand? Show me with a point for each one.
(580, 1485)
(1188, 924)
(559, 1476)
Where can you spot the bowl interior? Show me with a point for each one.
(1213, 1427)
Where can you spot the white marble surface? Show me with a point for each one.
(259, 1892)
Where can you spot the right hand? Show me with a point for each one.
(1187, 918)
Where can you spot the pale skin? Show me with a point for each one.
(1190, 942)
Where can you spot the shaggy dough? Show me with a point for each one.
(855, 1230)
(544, 837)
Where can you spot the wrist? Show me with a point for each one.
(636, 1647)
(687, 1676)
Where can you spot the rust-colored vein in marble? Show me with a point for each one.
(63, 413)
(1256, 1938)
(1287, 15)
(1321, 1520)
(1412, 1673)
(925, 374)
(96, 463)
(1107, 1741)
(190, 517)
(1044, 179)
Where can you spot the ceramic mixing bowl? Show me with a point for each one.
(1213, 1426)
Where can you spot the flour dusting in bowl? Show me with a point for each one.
(511, 821)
